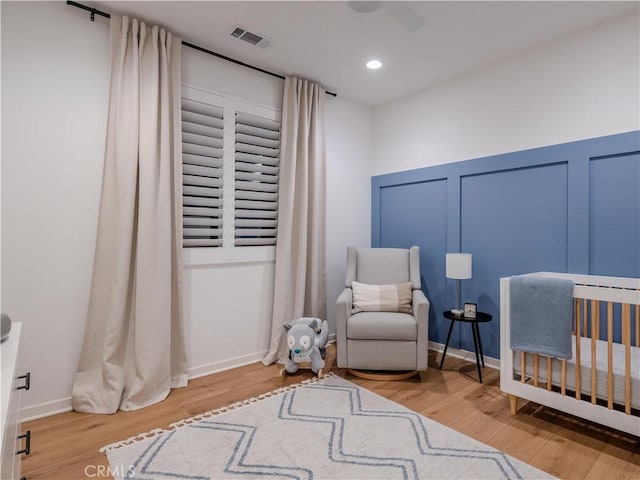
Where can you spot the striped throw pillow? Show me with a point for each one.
(381, 298)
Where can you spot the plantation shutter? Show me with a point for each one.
(202, 165)
(257, 158)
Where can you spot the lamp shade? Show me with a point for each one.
(459, 265)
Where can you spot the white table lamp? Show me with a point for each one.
(458, 268)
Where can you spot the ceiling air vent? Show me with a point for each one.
(249, 37)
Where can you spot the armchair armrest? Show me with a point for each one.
(421, 306)
(343, 312)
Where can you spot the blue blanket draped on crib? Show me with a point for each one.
(541, 312)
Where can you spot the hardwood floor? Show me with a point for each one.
(66, 446)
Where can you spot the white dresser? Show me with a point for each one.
(14, 382)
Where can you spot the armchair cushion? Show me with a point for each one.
(382, 298)
(382, 326)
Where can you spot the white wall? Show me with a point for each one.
(54, 108)
(349, 152)
(211, 73)
(582, 86)
(55, 80)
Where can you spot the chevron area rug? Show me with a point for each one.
(319, 429)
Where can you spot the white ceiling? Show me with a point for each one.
(330, 43)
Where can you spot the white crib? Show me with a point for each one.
(601, 382)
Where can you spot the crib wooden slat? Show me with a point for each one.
(536, 359)
(598, 336)
(585, 316)
(549, 373)
(637, 309)
(610, 355)
(578, 335)
(563, 384)
(626, 328)
(523, 366)
(595, 307)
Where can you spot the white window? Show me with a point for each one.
(231, 154)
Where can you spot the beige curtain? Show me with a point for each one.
(299, 288)
(134, 351)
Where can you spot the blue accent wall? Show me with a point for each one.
(614, 215)
(572, 207)
(416, 214)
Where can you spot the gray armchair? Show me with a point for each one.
(382, 340)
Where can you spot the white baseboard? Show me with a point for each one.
(45, 409)
(63, 405)
(464, 355)
(208, 369)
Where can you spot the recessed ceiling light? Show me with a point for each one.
(374, 64)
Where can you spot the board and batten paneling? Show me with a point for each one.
(572, 207)
(415, 214)
(518, 220)
(614, 215)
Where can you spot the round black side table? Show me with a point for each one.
(481, 317)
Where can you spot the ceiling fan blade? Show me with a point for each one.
(405, 15)
(364, 6)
